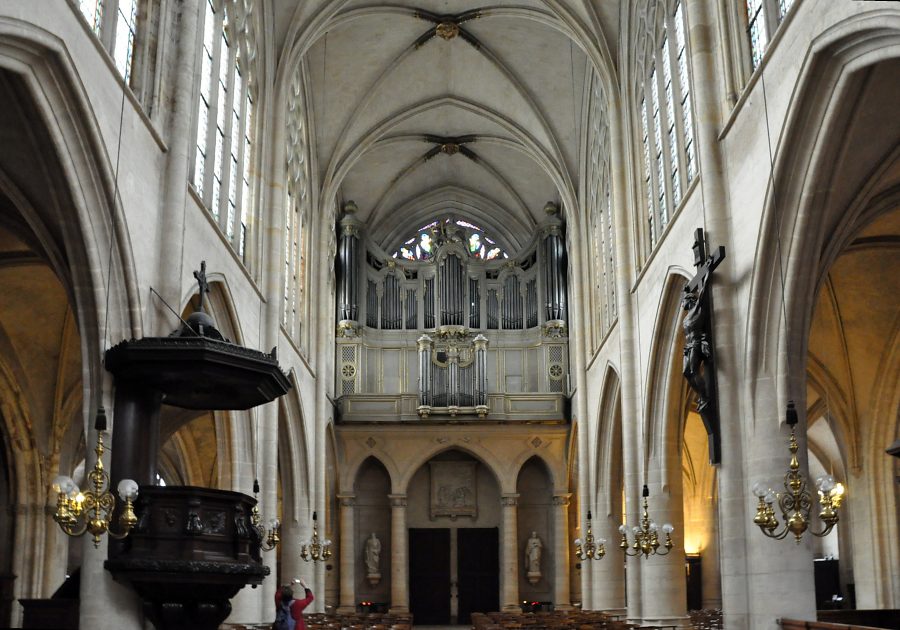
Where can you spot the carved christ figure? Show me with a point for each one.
(696, 343)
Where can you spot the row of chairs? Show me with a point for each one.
(332, 621)
(555, 620)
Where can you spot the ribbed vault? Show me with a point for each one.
(428, 106)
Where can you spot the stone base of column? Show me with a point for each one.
(345, 610)
(564, 607)
(511, 608)
(398, 610)
(673, 622)
(618, 613)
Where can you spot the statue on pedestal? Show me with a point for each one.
(373, 559)
(533, 549)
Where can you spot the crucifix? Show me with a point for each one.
(699, 367)
(201, 280)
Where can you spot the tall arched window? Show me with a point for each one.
(224, 140)
(115, 23)
(599, 208)
(763, 19)
(297, 211)
(665, 113)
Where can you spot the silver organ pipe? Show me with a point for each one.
(453, 377)
(531, 307)
(512, 303)
(348, 261)
(452, 298)
(371, 305)
(493, 307)
(426, 386)
(474, 304)
(429, 303)
(411, 310)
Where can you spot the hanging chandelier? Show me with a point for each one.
(269, 538)
(590, 550)
(79, 512)
(313, 549)
(646, 536)
(795, 503)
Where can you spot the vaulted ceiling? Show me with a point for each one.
(422, 106)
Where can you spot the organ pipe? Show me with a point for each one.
(554, 265)
(348, 261)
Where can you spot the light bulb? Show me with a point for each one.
(128, 489)
(825, 484)
(668, 528)
(62, 485)
(759, 489)
(838, 490)
(327, 542)
(636, 530)
(770, 496)
(653, 526)
(622, 528)
(578, 541)
(274, 523)
(601, 541)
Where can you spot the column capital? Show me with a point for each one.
(509, 499)
(397, 500)
(562, 499)
(347, 500)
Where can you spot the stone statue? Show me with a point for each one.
(533, 549)
(373, 555)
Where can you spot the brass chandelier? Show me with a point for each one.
(269, 538)
(795, 503)
(78, 512)
(590, 550)
(313, 549)
(646, 536)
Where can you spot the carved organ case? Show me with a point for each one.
(451, 325)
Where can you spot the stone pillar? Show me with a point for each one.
(509, 557)
(663, 584)
(481, 407)
(562, 594)
(608, 574)
(399, 545)
(348, 555)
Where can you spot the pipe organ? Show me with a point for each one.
(452, 333)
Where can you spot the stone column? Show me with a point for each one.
(608, 574)
(399, 564)
(509, 557)
(562, 595)
(348, 555)
(663, 585)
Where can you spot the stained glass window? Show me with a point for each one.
(423, 245)
(224, 144)
(666, 117)
(126, 23)
(763, 19)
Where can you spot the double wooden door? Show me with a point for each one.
(477, 570)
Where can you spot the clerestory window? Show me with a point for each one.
(114, 22)
(666, 116)
(297, 212)
(224, 139)
(763, 19)
(599, 207)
